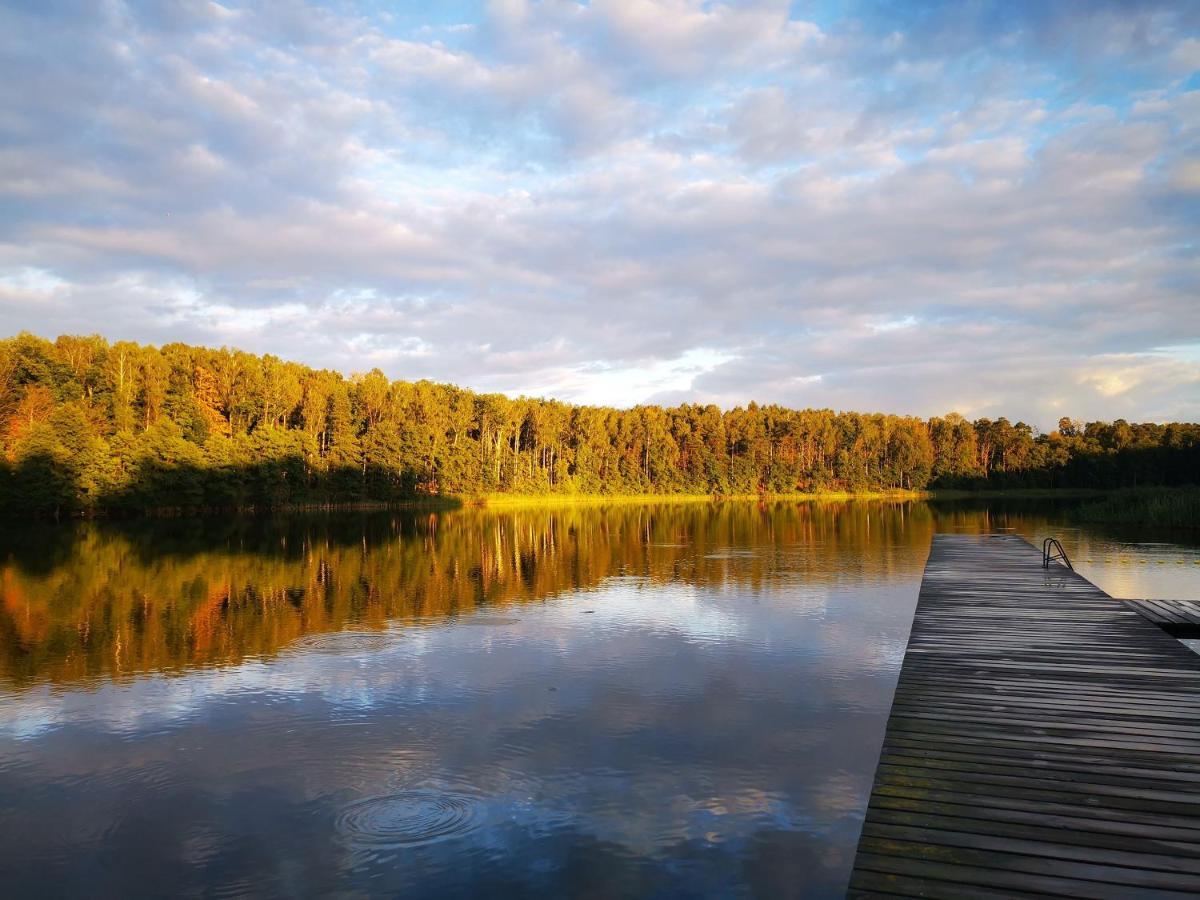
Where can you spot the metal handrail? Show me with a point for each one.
(1052, 551)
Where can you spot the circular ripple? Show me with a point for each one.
(346, 642)
(732, 554)
(407, 818)
(488, 620)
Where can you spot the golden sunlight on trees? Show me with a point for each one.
(88, 425)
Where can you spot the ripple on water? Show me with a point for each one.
(408, 818)
(346, 642)
(483, 620)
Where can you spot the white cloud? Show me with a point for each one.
(623, 200)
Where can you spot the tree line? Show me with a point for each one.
(90, 425)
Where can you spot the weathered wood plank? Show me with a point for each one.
(1179, 618)
(1044, 738)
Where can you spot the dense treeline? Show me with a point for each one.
(88, 424)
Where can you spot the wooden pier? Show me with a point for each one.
(1044, 739)
(1178, 618)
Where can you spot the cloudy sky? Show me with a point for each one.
(879, 206)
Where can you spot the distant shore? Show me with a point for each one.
(1156, 507)
(1175, 507)
(502, 501)
(1020, 493)
(89, 427)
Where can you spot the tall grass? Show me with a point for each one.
(509, 501)
(1169, 507)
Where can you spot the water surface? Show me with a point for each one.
(638, 701)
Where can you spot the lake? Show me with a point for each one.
(658, 700)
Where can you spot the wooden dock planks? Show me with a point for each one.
(1044, 739)
(1179, 618)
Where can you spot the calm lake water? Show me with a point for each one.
(672, 700)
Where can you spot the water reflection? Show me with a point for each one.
(673, 700)
(117, 600)
(1129, 562)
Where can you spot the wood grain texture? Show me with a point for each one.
(1179, 618)
(1044, 739)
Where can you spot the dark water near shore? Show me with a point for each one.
(671, 700)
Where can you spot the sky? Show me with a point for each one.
(906, 207)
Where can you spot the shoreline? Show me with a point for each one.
(512, 501)
(1019, 493)
(506, 501)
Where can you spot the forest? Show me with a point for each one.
(89, 426)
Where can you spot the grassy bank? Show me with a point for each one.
(1018, 493)
(511, 501)
(1166, 507)
(1174, 507)
(435, 504)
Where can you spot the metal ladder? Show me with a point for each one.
(1052, 551)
